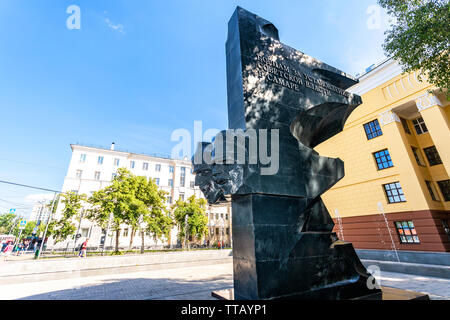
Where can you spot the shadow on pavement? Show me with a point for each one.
(141, 289)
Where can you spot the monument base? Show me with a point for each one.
(387, 293)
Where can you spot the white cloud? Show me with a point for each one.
(117, 27)
(35, 197)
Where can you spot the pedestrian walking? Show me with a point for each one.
(4, 244)
(83, 249)
(7, 251)
(20, 248)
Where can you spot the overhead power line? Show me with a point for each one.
(27, 186)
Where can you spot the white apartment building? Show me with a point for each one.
(39, 213)
(93, 168)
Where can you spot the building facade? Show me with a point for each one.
(40, 212)
(93, 168)
(396, 150)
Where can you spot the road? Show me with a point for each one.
(191, 283)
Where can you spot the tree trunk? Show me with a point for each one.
(117, 239)
(143, 241)
(133, 231)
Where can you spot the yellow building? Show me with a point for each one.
(396, 150)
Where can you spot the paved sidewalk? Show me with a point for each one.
(190, 283)
(436, 288)
(193, 283)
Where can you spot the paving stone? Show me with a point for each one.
(193, 283)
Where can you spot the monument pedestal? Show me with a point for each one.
(387, 293)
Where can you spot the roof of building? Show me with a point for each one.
(154, 155)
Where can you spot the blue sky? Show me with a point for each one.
(136, 71)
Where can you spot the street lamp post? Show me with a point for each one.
(185, 230)
(221, 225)
(210, 227)
(46, 227)
(107, 230)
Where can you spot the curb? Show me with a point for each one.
(428, 270)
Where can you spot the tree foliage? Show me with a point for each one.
(420, 38)
(7, 221)
(197, 221)
(64, 227)
(131, 200)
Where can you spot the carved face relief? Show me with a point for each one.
(212, 192)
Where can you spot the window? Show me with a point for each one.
(228, 231)
(183, 177)
(171, 169)
(83, 158)
(97, 175)
(100, 160)
(145, 166)
(157, 167)
(217, 231)
(192, 184)
(373, 129)
(419, 125)
(407, 232)
(445, 189)
(132, 164)
(170, 182)
(169, 199)
(226, 217)
(116, 162)
(432, 190)
(394, 192)
(125, 232)
(405, 126)
(383, 159)
(113, 176)
(418, 156)
(79, 173)
(157, 181)
(182, 196)
(84, 232)
(432, 156)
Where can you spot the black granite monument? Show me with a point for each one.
(283, 244)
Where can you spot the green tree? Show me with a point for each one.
(420, 38)
(157, 219)
(64, 227)
(29, 227)
(197, 220)
(132, 200)
(7, 221)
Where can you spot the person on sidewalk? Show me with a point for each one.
(7, 251)
(83, 249)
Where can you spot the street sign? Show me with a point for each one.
(22, 224)
(35, 229)
(12, 210)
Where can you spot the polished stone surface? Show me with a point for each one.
(283, 245)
